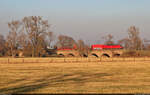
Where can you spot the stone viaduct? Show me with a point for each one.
(93, 53)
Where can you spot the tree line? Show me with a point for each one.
(32, 36)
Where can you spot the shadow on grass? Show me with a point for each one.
(25, 87)
(15, 81)
(53, 81)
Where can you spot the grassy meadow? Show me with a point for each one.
(87, 77)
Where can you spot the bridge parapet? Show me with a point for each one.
(93, 53)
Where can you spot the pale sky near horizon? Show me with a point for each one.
(82, 19)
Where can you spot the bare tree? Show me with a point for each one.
(81, 44)
(12, 43)
(51, 38)
(23, 41)
(125, 43)
(12, 38)
(65, 42)
(82, 48)
(108, 39)
(146, 43)
(35, 28)
(135, 40)
(2, 45)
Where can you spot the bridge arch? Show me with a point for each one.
(85, 55)
(68, 53)
(105, 55)
(61, 55)
(71, 55)
(94, 55)
(116, 55)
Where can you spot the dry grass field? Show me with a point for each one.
(91, 77)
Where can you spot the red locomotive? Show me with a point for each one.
(100, 47)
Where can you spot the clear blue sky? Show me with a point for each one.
(85, 19)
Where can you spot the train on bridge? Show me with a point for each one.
(101, 47)
(96, 50)
(94, 47)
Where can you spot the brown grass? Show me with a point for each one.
(105, 77)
